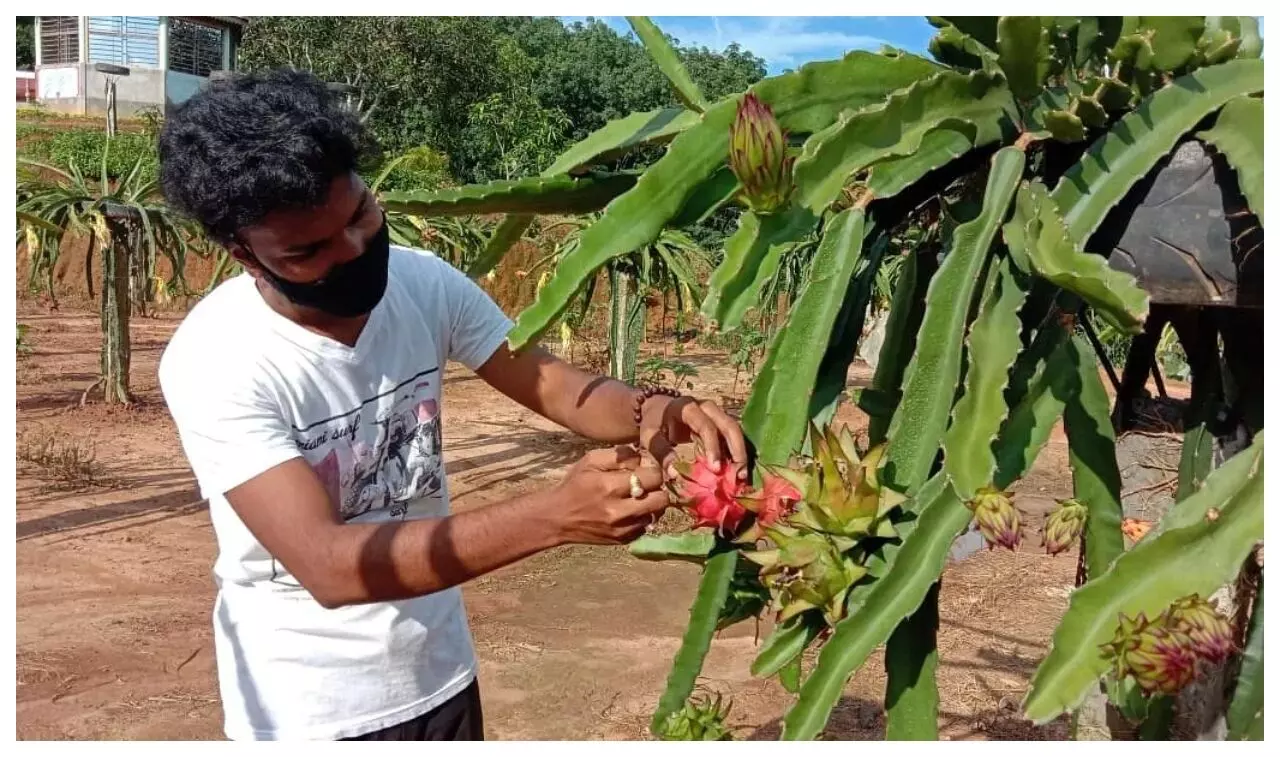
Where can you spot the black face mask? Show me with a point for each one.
(349, 289)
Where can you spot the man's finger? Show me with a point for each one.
(664, 452)
(708, 434)
(649, 477)
(653, 503)
(634, 528)
(732, 432)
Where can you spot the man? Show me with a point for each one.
(307, 397)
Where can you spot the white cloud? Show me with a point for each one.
(782, 41)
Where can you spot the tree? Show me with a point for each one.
(417, 76)
(26, 43)
(466, 86)
(1024, 136)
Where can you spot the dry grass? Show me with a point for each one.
(66, 460)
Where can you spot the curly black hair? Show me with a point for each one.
(249, 144)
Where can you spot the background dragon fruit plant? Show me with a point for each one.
(1017, 141)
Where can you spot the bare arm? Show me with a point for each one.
(603, 409)
(289, 512)
(596, 407)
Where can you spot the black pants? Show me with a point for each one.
(458, 719)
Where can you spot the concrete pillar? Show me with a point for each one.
(83, 83)
(162, 59)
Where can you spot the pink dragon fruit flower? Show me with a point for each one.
(712, 498)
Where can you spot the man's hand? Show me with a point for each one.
(602, 409)
(667, 422)
(289, 511)
(594, 504)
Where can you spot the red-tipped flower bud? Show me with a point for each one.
(757, 156)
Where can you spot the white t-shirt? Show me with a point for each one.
(250, 389)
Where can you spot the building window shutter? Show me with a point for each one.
(59, 40)
(125, 40)
(194, 48)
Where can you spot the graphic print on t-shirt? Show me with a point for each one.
(380, 455)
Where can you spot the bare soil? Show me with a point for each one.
(114, 590)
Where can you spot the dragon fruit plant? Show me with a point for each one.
(702, 718)
(1014, 141)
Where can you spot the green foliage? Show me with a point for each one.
(26, 131)
(993, 348)
(980, 359)
(24, 344)
(128, 228)
(1022, 43)
(86, 149)
(421, 169)
(693, 546)
(653, 371)
(457, 239)
(1046, 242)
(152, 118)
(1237, 134)
(929, 385)
(776, 411)
(25, 43)
(671, 263)
(1113, 164)
(1091, 450)
(745, 347)
(788, 640)
(509, 134)
(534, 194)
(1212, 493)
(703, 620)
(1193, 559)
(702, 719)
(906, 309)
(667, 58)
(73, 203)
(911, 663)
(805, 100)
(1244, 716)
(500, 96)
(909, 571)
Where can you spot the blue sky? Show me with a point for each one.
(790, 41)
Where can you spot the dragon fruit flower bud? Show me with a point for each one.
(1158, 654)
(1063, 526)
(1209, 631)
(998, 520)
(757, 156)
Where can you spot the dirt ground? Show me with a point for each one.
(114, 590)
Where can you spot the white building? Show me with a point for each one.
(168, 58)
